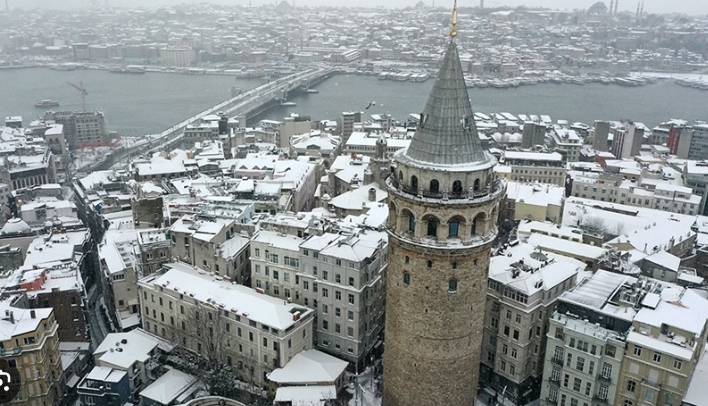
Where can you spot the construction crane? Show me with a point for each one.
(82, 91)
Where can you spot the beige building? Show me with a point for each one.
(662, 325)
(339, 275)
(533, 167)
(29, 345)
(224, 322)
(212, 245)
(664, 344)
(533, 202)
(523, 287)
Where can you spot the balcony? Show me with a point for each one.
(554, 380)
(597, 400)
(557, 361)
(604, 378)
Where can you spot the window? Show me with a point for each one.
(350, 315)
(627, 403)
(432, 227)
(610, 350)
(338, 295)
(566, 378)
(588, 388)
(516, 334)
(434, 186)
(603, 391)
(637, 351)
(406, 278)
(414, 184)
(457, 188)
(453, 228)
(580, 363)
(606, 370)
(631, 386)
(677, 364)
(351, 299)
(452, 285)
(657, 357)
(325, 324)
(577, 382)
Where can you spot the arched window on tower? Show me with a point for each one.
(476, 185)
(414, 184)
(453, 227)
(432, 226)
(457, 188)
(434, 186)
(408, 221)
(452, 285)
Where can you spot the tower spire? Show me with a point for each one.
(453, 22)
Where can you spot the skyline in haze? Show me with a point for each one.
(651, 6)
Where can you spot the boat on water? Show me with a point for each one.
(46, 103)
(288, 104)
(312, 91)
(136, 70)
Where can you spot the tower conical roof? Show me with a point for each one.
(446, 133)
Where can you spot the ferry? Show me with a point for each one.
(312, 91)
(46, 103)
(129, 69)
(288, 104)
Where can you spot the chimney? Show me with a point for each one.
(372, 194)
(33, 314)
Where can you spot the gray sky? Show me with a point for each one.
(659, 6)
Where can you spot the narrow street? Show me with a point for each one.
(96, 322)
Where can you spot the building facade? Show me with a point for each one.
(443, 205)
(224, 323)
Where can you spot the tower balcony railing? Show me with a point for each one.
(476, 196)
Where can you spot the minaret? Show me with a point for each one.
(443, 207)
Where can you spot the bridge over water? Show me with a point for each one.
(245, 104)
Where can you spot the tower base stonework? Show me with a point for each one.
(433, 336)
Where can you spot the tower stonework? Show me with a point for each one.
(443, 207)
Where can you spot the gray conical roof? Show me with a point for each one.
(447, 134)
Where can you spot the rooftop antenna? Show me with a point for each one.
(453, 22)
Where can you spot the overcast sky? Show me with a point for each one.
(658, 6)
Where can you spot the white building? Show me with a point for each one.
(523, 287)
(224, 322)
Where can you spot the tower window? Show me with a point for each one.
(434, 186)
(454, 264)
(457, 188)
(432, 227)
(430, 264)
(414, 184)
(406, 278)
(407, 259)
(452, 285)
(476, 185)
(454, 227)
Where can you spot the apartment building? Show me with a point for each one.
(533, 167)
(567, 142)
(648, 193)
(582, 362)
(662, 326)
(523, 287)
(664, 344)
(337, 274)
(223, 322)
(29, 346)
